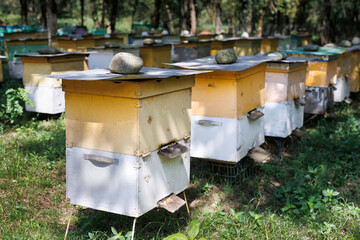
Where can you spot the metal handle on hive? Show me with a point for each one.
(100, 159)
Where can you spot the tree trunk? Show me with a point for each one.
(171, 21)
(300, 17)
(24, 12)
(114, 12)
(184, 14)
(192, 17)
(133, 14)
(82, 12)
(218, 23)
(233, 19)
(51, 19)
(42, 4)
(103, 14)
(261, 19)
(155, 19)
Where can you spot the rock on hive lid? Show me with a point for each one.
(225, 56)
(126, 63)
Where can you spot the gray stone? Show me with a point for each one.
(345, 43)
(356, 41)
(225, 56)
(278, 54)
(50, 51)
(126, 63)
(219, 37)
(148, 41)
(245, 35)
(311, 47)
(332, 45)
(111, 45)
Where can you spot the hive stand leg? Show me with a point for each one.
(68, 225)
(186, 203)
(280, 144)
(133, 229)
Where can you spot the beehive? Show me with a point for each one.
(190, 51)
(247, 46)
(355, 68)
(46, 93)
(13, 47)
(221, 124)
(75, 45)
(284, 91)
(115, 126)
(20, 35)
(155, 55)
(343, 73)
(1, 69)
(306, 39)
(269, 44)
(284, 43)
(100, 57)
(217, 45)
(320, 76)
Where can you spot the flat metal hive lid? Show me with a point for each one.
(335, 50)
(288, 63)
(111, 48)
(316, 55)
(209, 63)
(105, 74)
(353, 48)
(243, 38)
(65, 54)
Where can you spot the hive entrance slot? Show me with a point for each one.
(172, 203)
(255, 114)
(173, 150)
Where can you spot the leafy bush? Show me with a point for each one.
(12, 105)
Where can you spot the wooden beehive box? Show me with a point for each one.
(284, 43)
(1, 69)
(321, 70)
(320, 76)
(306, 39)
(116, 126)
(75, 45)
(284, 94)
(99, 42)
(221, 127)
(269, 44)
(247, 46)
(46, 93)
(217, 45)
(190, 51)
(100, 57)
(343, 73)
(355, 68)
(155, 55)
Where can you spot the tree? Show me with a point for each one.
(24, 12)
(82, 12)
(113, 15)
(51, 19)
(192, 17)
(218, 22)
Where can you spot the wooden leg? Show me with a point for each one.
(133, 229)
(68, 225)
(186, 202)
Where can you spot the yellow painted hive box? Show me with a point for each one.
(217, 45)
(77, 45)
(355, 69)
(247, 46)
(102, 41)
(156, 55)
(18, 35)
(231, 90)
(127, 114)
(285, 81)
(269, 44)
(321, 69)
(35, 65)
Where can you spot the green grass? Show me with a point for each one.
(312, 193)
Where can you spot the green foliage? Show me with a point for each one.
(194, 229)
(12, 106)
